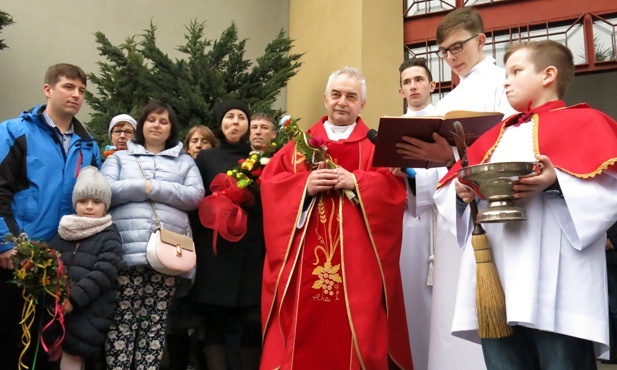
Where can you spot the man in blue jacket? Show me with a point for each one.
(41, 153)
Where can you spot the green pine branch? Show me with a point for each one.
(209, 71)
(5, 20)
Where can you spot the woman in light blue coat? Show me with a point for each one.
(171, 181)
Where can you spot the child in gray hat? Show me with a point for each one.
(91, 250)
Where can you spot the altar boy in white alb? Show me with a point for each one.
(418, 220)
(461, 40)
(552, 266)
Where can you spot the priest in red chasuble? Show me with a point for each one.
(332, 296)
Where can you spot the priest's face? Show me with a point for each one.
(343, 100)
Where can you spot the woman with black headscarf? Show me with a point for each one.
(227, 288)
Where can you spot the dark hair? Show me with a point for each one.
(205, 131)
(265, 117)
(466, 18)
(53, 74)
(415, 62)
(157, 107)
(547, 53)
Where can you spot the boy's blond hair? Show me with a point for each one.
(547, 53)
(466, 18)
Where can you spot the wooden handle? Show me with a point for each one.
(461, 147)
(461, 144)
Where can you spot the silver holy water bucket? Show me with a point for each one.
(493, 182)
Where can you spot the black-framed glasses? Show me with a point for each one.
(455, 48)
(127, 133)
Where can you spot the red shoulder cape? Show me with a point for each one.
(579, 140)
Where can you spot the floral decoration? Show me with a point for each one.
(248, 171)
(311, 150)
(40, 273)
(222, 211)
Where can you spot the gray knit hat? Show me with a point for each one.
(91, 184)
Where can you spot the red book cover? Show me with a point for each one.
(392, 129)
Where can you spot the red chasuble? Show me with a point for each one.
(579, 140)
(332, 295)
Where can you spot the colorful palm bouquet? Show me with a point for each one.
(311, 149)
(40, 273)
(222, 211)
(248, 171)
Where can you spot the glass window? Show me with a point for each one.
(604, 35)
(418, 7)
(439, 69)
(478, 2)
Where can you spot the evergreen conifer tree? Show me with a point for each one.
(137, 71)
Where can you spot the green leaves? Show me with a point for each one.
(137, 71)
(5, 20)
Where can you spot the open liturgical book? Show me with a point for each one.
(392, 129)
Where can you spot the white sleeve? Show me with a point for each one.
(588, 207)
(458, 221)
(426, 184)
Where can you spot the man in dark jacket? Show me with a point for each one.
(41, 153)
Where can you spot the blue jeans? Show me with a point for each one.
(532, 349)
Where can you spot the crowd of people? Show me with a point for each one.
(343, 265)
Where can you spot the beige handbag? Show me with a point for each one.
(168, 252)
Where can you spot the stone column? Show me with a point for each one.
(366, 34)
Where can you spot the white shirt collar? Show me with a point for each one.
(429, 110)
(336, 133)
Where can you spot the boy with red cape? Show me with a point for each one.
(551, 266)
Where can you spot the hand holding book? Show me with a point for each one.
(438, 151)
(423, 142)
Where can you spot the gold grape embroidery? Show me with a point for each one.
(328, 277)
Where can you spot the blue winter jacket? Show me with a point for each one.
(36, 176)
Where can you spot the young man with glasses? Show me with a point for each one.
(460, 37)
(121, 130)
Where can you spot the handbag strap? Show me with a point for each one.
(156, 216)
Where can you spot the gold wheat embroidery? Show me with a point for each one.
(328, 276)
